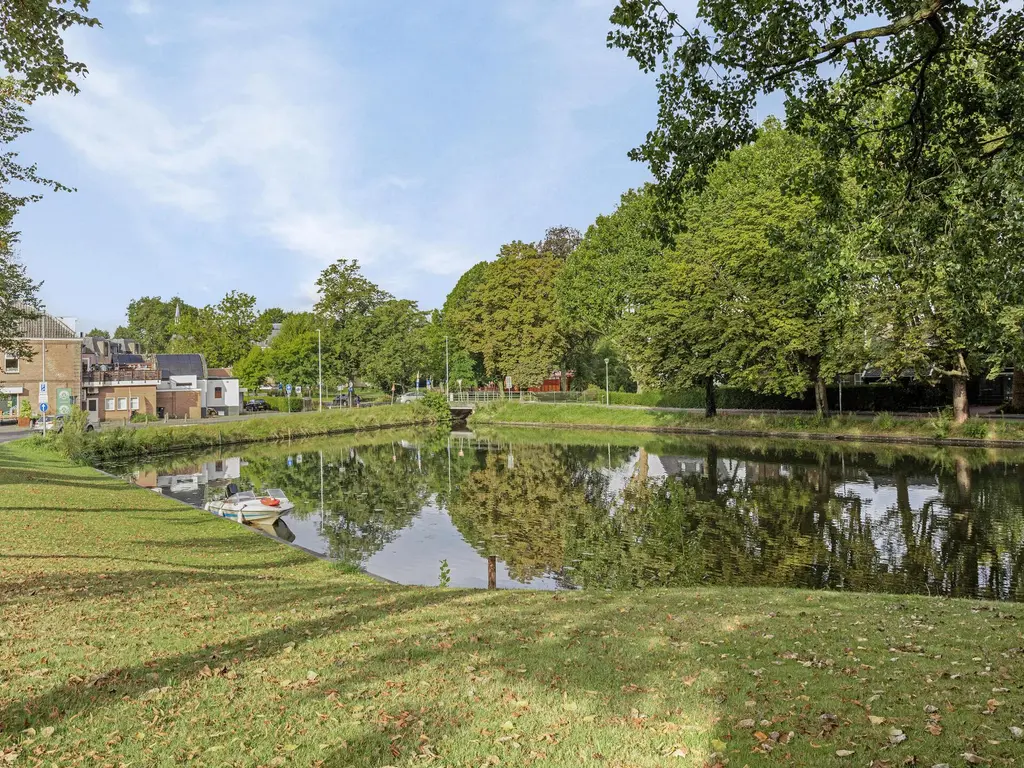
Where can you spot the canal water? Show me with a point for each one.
(556, 510)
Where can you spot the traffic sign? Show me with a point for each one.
(44, 407)
(288, 389)
(44, 392)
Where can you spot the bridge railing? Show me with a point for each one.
(489, 396)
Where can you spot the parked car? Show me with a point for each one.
(410, 397)
(56, 424)
(256, 405)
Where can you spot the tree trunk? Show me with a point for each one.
(710, 403)
(960, 408)
(963, 477)
(492, 572)
(1017, 392)
(821, 397)
(563, 380)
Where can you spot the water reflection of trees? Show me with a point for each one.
(809, 519)
(368, 494)
(740, 513)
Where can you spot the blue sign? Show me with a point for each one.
(288, 389)
(44, 407)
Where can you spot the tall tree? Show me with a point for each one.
(35, 62)
(749, 289)
(151, 321)
(292, 355)
(18, 301)
(346, 299)
(394, 335)
(518, 333)
(222, 332)
(462, 320)
(951, 67)
(252, 371)
(601, 287)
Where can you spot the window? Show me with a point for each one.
(218, 393)
(92, 406)
(108, 404)
(135, 403)
(11, 364)
(122, 403)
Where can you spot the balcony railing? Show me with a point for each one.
(99, 378)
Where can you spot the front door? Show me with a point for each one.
(92, 407)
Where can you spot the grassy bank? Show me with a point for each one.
(881, 427)
(115, 444)
(138, 631)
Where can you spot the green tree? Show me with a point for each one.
(951, 68)
(265, 323)
(35, 62)
(99, 333)
(346, 300)
(18, 301)
(152, 322)
(394, 335)
(605, 279)
(748, 290)
(291, 357)
(461, 321)
(252, 370)
(518, 333)
(222, 332)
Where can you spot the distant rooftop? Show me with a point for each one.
(45, 326)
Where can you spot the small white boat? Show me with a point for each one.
(247, 507)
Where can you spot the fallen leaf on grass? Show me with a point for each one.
(896, 736)
(974, 759)
(876, 720)
(844, 752)
(933, 729)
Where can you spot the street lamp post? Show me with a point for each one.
(607, 399)
(320, 370)
(447, 395)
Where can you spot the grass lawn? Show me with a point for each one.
(136, 631)
(883, 426)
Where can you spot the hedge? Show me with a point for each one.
(289, 404)
(129, 443)
(858, 397)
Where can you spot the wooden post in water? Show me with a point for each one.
(492, 572)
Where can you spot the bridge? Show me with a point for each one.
(462, 404)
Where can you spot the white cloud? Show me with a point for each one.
(255, 131)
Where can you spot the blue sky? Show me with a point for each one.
(246, 144)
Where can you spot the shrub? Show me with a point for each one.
(284, 404)
(126, 443)
(942, 423)
(25, 409)
(435, 404)
(142, 418)
(885, 422)
(976, 429)
(70, 441)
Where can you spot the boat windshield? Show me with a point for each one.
(276, 493)
(244, 496)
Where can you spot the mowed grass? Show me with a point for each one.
(136, 631)
(883, 426)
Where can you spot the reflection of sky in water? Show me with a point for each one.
(415, 555)
(411, 551)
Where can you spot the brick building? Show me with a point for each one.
(55, 341)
